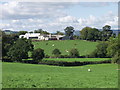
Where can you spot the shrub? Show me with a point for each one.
(38, 55)
(74, 53)
(19, 50)
(64, 63)
(101, 51)
(56, 52)
(116, 58)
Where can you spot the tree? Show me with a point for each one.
(116, 58)
(100, 51)
(41, 31)
(56, 52)
(113, 46)
(7, 42)
(106, 28)
(19, 50)
(69, 32)
(74, 53)
(38, 54)
(106, 33)
(89, 33)
(113, 49)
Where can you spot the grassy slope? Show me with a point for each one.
(77, 59)
(84, 47)
(43, 76)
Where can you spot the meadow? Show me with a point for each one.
(77, 59)
(18, 75)
(84, 47)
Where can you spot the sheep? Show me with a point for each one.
(67, 51)
(89, 70)
(53, 45)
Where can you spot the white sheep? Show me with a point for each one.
(67, 51)
(53, 45)
(89, 70)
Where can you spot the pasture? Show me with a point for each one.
(18, 75)
(84, 47)
(77, 59)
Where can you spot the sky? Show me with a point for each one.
(56, 16)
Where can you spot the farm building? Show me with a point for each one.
(41, 37)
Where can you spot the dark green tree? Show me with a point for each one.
(116, 58)
(41, 31)
(106, 28)
(106, 33)
(56, 52)
(19, 50)
(84, 33)
(69, 32)
(101, 50)
(114, 49)
(7, 42)
(89, 33)
(113, 46)
(38, 54)
(74, 53)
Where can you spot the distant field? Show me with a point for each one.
(17, 75)
(84, 47)
(77, 59)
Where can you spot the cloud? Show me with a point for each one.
(99, 22)
(113, 22)
(25, 10)
(50, 16)
(68, 19)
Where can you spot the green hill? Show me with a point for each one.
(84, 47)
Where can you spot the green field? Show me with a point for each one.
(77, 59)
(84, 47)
(17, 75)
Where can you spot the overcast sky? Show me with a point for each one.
(55, 16)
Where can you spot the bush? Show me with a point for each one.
(19, 50)
(116, 59)
(64, 63)
(74, 53)
(100, 51)
(38, 55)
(56, 52)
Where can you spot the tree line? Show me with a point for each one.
(87, 33)
(93, 34)
(16, 49)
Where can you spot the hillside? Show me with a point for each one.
(84, 47)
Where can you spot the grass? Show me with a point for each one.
(84, 47)
(17, 75)
(77, 59)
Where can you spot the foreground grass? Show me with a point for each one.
(77, 59)
(17, 75)
(84, 47)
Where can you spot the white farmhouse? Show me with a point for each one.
(41, 37)
(30, 35)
